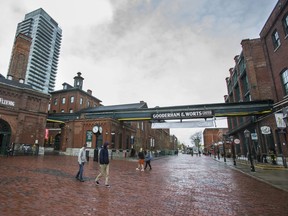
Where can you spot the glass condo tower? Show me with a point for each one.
(45, 49)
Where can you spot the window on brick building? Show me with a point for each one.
(229, 86)
(62, 110)
(242, 65)
(72, 99)
(285, 24)
(55, 101)
(247, 97)
(81, 101)
(88, 103)
(63, 100)
(237, 93)
(284, 76)
(276, 39)
(70, 110)
(235, 77)
(244, 81)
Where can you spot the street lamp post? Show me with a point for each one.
(214, 148)
(97, 130)
(233, 150)
(224, 150)
(217, 149)
(248, 139)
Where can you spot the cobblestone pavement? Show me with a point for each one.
(177, 185)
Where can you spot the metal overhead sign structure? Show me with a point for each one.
(160, 114)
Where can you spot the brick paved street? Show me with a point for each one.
(177, 185)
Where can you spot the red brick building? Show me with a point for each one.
(73, 98)
(213, 137)
(23, 114)
(23, 111)
(261, 72)
(19, 58)
(274, 37)
(76, 110)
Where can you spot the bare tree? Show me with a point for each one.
(196, 139)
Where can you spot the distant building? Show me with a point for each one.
(212, 137)
(45, 49)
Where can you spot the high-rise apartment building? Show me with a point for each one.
(44, 51)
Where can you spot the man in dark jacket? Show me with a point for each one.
(104, 165)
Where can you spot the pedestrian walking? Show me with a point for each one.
(81, 161)
(104, 165)
(148, 158)
(141, 158)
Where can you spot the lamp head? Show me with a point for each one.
(247, 133)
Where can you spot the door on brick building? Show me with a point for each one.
(5, 133)
(57, 142)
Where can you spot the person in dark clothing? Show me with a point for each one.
(141, 157)
(148, 158)
(104, 165)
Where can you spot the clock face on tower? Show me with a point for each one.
(95, 129)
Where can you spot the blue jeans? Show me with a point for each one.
(80, 172)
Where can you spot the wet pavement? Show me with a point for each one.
(274, 175)
(177, 185)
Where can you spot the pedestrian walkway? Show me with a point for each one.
(176, 186)
(274, 175)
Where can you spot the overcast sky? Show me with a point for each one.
(164, 52)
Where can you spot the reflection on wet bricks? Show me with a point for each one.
(177, 185)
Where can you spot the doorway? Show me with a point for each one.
(5, 133)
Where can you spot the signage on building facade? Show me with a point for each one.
(254, 136)
(7, 102)
(89, 135)
(265, 130)
(183, 115)
(279, 120)
(237, 141)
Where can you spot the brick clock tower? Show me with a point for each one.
(19, 58)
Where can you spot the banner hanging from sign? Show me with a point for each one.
(186, 124)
